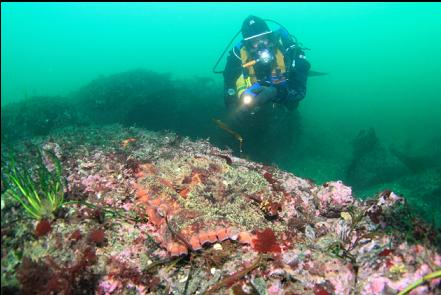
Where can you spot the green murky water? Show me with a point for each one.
(383, 61)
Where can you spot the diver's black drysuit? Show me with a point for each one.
(297, 67)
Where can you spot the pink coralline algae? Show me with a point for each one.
(397, 270)
(108, 286)
(385, 201)
(176, 216)
(97, 184)
(275, 288)
(334, 197)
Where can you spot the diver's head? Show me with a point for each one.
(253, 27)
(258, 39)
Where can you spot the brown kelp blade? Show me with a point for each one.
(225, 127)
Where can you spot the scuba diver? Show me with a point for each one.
(264, 80)
(265, 67)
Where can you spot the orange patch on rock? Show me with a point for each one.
(125, 142)
(204, 238)
(148, 169)
(154, 217)
(136, 186)
(212, 237)
(176, 249)
(183, 193)
(222, 234)
(245, 237)
(195, 243)
(195, 179)
(162, 207)
(142, 195)
(155, 202)
(139, 174)
(166, 182)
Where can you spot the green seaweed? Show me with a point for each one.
(41, 193)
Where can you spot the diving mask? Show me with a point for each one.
(263, 51)
(265, 56)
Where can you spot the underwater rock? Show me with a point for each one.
(149, 99)
(371, 163)
(37, 116)
(187, 217)
(393, 271)
(334, 197)
(135, 98)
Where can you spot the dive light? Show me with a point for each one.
(247, 99)
(248, 96)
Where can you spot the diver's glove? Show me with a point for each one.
(253, 90)
(257, 95)
(248, 97)
(295, 95)
(293, 98)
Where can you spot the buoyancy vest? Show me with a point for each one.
(248, 76)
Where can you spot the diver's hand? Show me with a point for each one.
(292, 99)
(296, 95)
(258, 95)
(266, 93)
(254, 89)
(248, 97)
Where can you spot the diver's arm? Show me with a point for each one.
(297, 69)
(297, 79)
(232, 71)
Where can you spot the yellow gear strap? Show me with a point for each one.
(244, 58)
(242, 84)
(280, 61)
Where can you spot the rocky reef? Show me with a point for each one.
(157, 213)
